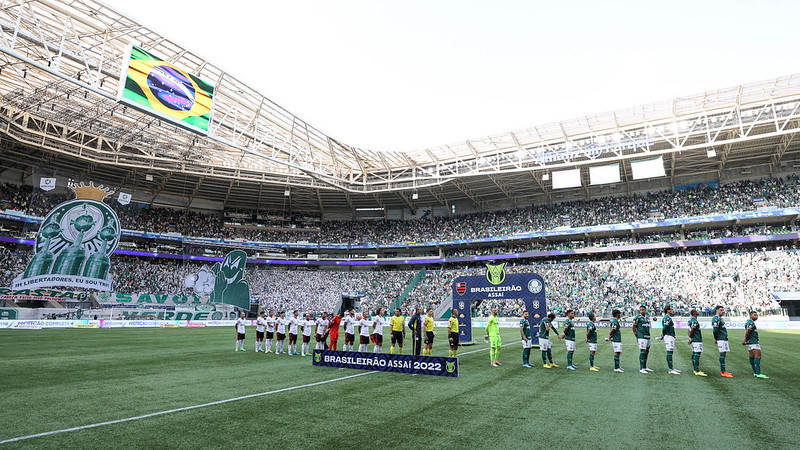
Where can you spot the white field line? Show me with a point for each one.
(189, 408)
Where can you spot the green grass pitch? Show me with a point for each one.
(57, 379)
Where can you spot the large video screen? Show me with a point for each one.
(154, 86)
(563, 179)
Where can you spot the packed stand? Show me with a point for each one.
(272, 226)
(739, 281)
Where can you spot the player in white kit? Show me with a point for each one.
(378, 323)
(281, 331)
(349, 330)
(260, 325)
(308, 327)
(364, 324)
(294, 321)
(270, 328)
(322, 328)
(240, 323)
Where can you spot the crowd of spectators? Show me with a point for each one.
(273, 289)
(700, 200)
(738, 280)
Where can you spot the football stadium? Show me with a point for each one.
(619, 279)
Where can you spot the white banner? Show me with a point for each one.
(60, 280)
(563, 179)
(47, 184)
(604, 174)
(124, 198)
(648, 168)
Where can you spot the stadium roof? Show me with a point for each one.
(59, 71)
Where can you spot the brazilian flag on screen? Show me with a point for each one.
(166, 91)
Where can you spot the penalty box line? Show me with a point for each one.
(189, 408)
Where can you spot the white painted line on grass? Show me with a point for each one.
(189, 408)
(186, 408)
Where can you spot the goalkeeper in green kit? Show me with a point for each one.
(493, 334)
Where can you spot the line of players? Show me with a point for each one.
(267, 326)
(641, 328)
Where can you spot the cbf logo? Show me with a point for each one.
(496, 274)
(74, 244)
(461, 306)
(535, 286)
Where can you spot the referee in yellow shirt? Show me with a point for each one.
(427, 351)
(398, 331)
(452, 329)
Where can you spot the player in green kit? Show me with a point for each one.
(569, 338)
(545, 327)
(615, 336)
(641, 328)
(721, 339)
(527, 343)
(493, 334)
(591, 338)
(696, 341)
(751, 341)
(668, 336)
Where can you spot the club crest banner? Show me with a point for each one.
(74, 244)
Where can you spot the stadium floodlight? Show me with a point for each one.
(711, 153)
(369, 209)
(414, 196)
(545, 176)
(287, 193)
